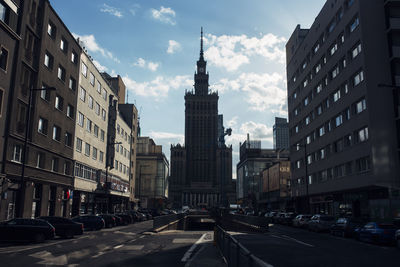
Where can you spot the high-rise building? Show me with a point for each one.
(281, 133)
(39, 125)
(343, 136)
(200, 170)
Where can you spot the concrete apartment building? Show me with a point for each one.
(38, 179)
(253, 160)
(152, 172)
(343, 136)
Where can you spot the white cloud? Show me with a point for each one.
(173, 46)
(159, 87)
(111, 10)
(100, 67)
(89, 42)
(134, 9)
(231, 52)
(262, 91)
(257, 131)
(178, 138)
(142, 63)
(165, 15)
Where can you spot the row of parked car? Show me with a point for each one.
(346, 226)
(47, 227)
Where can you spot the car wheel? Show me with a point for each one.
(39, 238)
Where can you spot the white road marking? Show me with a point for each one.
(193, 247)
(133, 247)
(99, 254)
(288, 238)
(183, 240)
(194, 256)
(119, 246)
(48, 258)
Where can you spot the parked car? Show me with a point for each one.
(148, 213)
(377, 233)
(321, 223)
(270, 215)
(287, 218)
(90, 222)
(118, 220)
(109, 220)
(346, 227)
(127, 219)
(278, 218)
(65, 227)
(20, 229)
(397, 237)
(301, 220)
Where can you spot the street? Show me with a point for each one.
(288, 246)
(120, 246)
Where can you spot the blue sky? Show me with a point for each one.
(154, 46)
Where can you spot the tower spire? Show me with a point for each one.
(201, 44)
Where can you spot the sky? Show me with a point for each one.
(154, 45)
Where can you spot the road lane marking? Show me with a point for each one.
(132, 247)
(193, 247)
(288, 238)
(119, 246)
(183, 240)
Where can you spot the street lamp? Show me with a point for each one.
(27, 129)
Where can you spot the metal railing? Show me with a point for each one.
(234, 253)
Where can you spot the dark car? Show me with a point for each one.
(26, 230)
(65, 227)
(301, 220)
(109, 220)
(346, 227)
(127, 219)
(118, 220)
(321, 223)
(90, 222)
(288, 218)
(377, 233)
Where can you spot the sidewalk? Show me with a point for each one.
(207, 255)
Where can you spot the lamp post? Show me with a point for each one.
(108, 184)
(27, 129)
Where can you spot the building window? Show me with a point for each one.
(305, 83)
(97, 109)
(67, 168)
(363, 164)
(42, 126)
(98, 86)
(304, 64)
(306, 101)
(87, 149)
(338, 145)
(45, 94)
(319, 110)
(309, 159)
(333, 49)
(56, 133)
(78, 144)
(347, 140)
(360, 106)
(358, 78)
(70, 111)
(322, 153)
(91, 78)
(61, 73)
(74, 57)
(104, 94)
(3, 58)
(362, 135)
(54, 164)
(90, 102)
(102, 134)
(59, 103)
(4, 13)
(63, 45)
(356, 51)
(335, 72)
(17, 153)
(336, 96)
(48, 60)
(82, 94)
(308, 139)
(51, 30)
(296, 128)
(354, 24)
(88, 125)
(96, 130)
(84, 69)
(94, 154)
(72, 84)
(298, 164)
(101, 156)
(40, 160)
(81, 119)
(308, 120)
(103, 114)
(322, 131)
(68, 139)
(339, 120)
(316, 48)
(318, 68)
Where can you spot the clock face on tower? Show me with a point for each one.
(201, 69)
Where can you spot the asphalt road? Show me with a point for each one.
(131, 245)
(287, 246)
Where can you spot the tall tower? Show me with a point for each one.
(200, 168)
